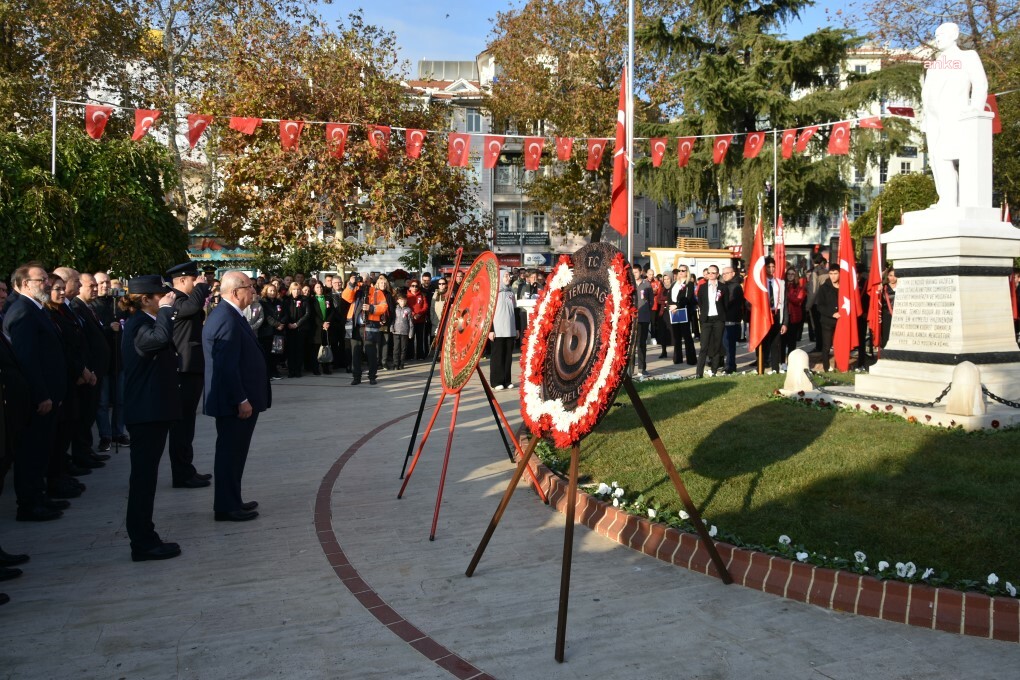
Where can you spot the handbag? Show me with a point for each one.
(277, 344)
(325, 351)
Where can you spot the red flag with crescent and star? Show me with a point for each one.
(875, 288)
(96, 118)
(459, 144)
(290, 133)
(144, 118)
(197, 123)
(684, 148)
(905, 111)
(789, 139)
(533, 147)
(845, 337)
(336, 138)
(839, 139)
(756, 292)
(993, 106)
(875, 123)
(805, 136)
(595, 149)
(564, 148)
(720, 145)
(657, 147)
(619, 211)
(753, 144)
(413, 140)
(379, 138)
(245, 126)
(493, 148)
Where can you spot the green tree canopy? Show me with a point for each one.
(902, 193)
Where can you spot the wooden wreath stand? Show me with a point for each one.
(568, 531)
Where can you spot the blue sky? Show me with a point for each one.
(458, 29)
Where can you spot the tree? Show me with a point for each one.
(903, 193)
(910, 24)
(734, 73)
(1006, 161)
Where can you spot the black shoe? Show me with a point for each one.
(9, 560)
(38, 514)
(201, 476)
(7, 574)
(104, 444)
(51, 504)
(123, 440)
(67, 490)
(236, 516)
(76, 471)
(87, 463)
(372, 381)
(356, 381)
(193, 483)
(663, 356)
(163, 551)
(249, 506)
(101, 457)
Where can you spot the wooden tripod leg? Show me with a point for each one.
(424, 438)
(518, 473)
(678, 484)
(568, 551)
(494, 405)
(446, 463)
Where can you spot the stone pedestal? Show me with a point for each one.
(952, 305)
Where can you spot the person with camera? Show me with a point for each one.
(363, 326)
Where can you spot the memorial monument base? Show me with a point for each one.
(952, 305)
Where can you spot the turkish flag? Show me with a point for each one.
(245, 125)
(753, 144)
(657, 146)
(457, 151)
(789, 139)
(720, 145)
(1012, 295)
(839, 139)
(875, 123)
(875, 288)
(901, 111)
(144, 118)
(756, 293)
(290, 133)
(845, 338)
(684, 148)
(413, 140)
(379, 138)
(336, 138)
(992, 105)
(564, 148)
(1006, 217)
(533, 147)
(95, 119)
(619, 211)
(595, 149)
(779, 248)
(197, 123)
(805, 136)
(493, 148)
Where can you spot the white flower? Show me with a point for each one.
(911, 569)
(992, 579)
(905, 570)
(615, 485)
(713, 531)
(883, 565)
(802, 556)
(1010, 589)
(684, 515)
(784, 540)
(860, 557)
(927, 572)
(616, 502)
(651, 513)
(619, 492)
(603, 489)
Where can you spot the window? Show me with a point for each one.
(905, 168)
(505, 179)
(473, 120)
(858, 176)
(739, 217)
(858, 209)
(522, 220)
(648, 226)
(637, 223)
(503, 220)
(701, 231)
(715, 232)
(883, 172)
(538, 222)
(861, 69)
(908, 152)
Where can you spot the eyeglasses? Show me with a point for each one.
(414, 285)
(682, 271)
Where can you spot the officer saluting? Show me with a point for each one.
(188, 316)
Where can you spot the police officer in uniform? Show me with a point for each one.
(189, 314)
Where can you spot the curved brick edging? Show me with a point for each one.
(363, 593)
(920, 605)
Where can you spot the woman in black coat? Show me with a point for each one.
(827, 304)
(323, 312)
(272, 312)
(297, 320)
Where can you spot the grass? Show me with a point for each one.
(835, 482)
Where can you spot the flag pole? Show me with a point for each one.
(630, 131)
(775, 179)
(53, 144)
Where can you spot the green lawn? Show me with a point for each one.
(834, 482)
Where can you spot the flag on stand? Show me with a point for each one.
(619, 212)
(95, 119)
(875, 289)
(845, 337)
(993, 106)
(1006, 217)
(756, 293)
(779, 248)
(144, 119)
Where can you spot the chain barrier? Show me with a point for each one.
(903, 402)
(1001, 400)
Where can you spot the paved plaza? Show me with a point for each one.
(370, 596)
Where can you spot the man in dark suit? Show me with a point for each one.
(772, 344)
(643, 290)
(41, 355)
(189, 313)
(733, 294)
(712, 309)
(236, 391)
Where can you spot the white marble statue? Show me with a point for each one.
(954, 86)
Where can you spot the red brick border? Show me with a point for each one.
(911, 603)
